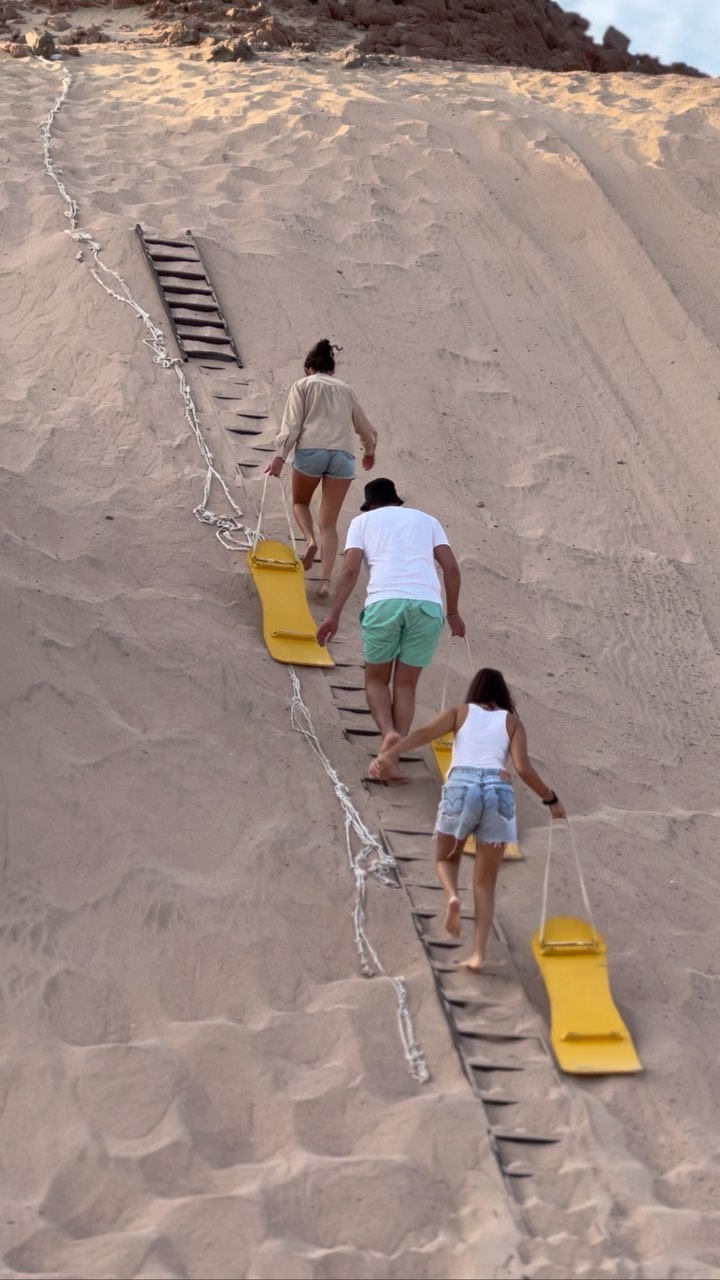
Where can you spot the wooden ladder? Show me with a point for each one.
(190, 302)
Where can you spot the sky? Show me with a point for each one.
(672, 31)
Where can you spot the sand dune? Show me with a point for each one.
(522, 272)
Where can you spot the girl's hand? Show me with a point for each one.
(375, 767)
(385, 767)
(557, 810)
(368, 461)
(275, 467)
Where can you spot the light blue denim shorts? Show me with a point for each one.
(478, 802)
(325, 462)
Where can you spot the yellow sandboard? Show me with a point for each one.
(442, 750)
(288, 626)
(588, 1035)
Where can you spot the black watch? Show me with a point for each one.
(553, 799)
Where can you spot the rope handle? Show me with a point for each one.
(256, 536)
(546, 882)
(447, 667)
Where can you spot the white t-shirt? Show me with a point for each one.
(398, 544)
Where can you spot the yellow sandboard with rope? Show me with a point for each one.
(587, 1033)
(442, 751)
(288, 625)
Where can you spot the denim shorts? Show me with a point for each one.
(478, 802)
(325, 462)
(406, 629)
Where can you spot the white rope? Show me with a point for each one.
(256, 533)
(447, 667)
(227, 526)
(546, 882)
(447, 673)
(372, 859)
(469, 654)
(293, 543)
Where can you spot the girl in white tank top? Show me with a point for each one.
(477, 797)
(483, 741)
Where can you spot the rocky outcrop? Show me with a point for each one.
(227, 50)
(614, 39)
(40, 43)
(532, 33)
(529, 33)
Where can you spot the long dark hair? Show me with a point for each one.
(322, 357)
(488, 685)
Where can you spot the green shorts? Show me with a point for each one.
(406, 629)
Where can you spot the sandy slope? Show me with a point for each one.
(523, 273)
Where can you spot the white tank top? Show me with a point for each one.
(482, 742)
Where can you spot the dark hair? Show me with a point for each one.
(488, 685)
(322, 357)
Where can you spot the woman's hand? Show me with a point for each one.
(275, 467)
(326, 630)
(557, 810)
(368, 461)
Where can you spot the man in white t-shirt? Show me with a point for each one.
(403, 616)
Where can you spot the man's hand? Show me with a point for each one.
(456, 624)
(327, 630)
(275, 467)
(368, 461)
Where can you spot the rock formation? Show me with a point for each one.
(529, 33)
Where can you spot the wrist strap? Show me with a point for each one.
(553, 799)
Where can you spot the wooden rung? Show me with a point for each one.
(215, 355)
(175, 257)
(200, 337)
(200, 324)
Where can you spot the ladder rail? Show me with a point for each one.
(163, 299)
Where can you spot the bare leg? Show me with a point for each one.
(487, 864)
(333, 496)
(448, 852)
(377, 694)
(303, 488)
(405, 682)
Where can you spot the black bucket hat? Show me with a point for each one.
(381, 493)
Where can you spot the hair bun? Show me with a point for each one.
(321, 359)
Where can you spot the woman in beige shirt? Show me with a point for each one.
(321, 418)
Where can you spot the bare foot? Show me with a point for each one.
(474, 963)
(323, 590)
(453, 923)
(309, 557)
